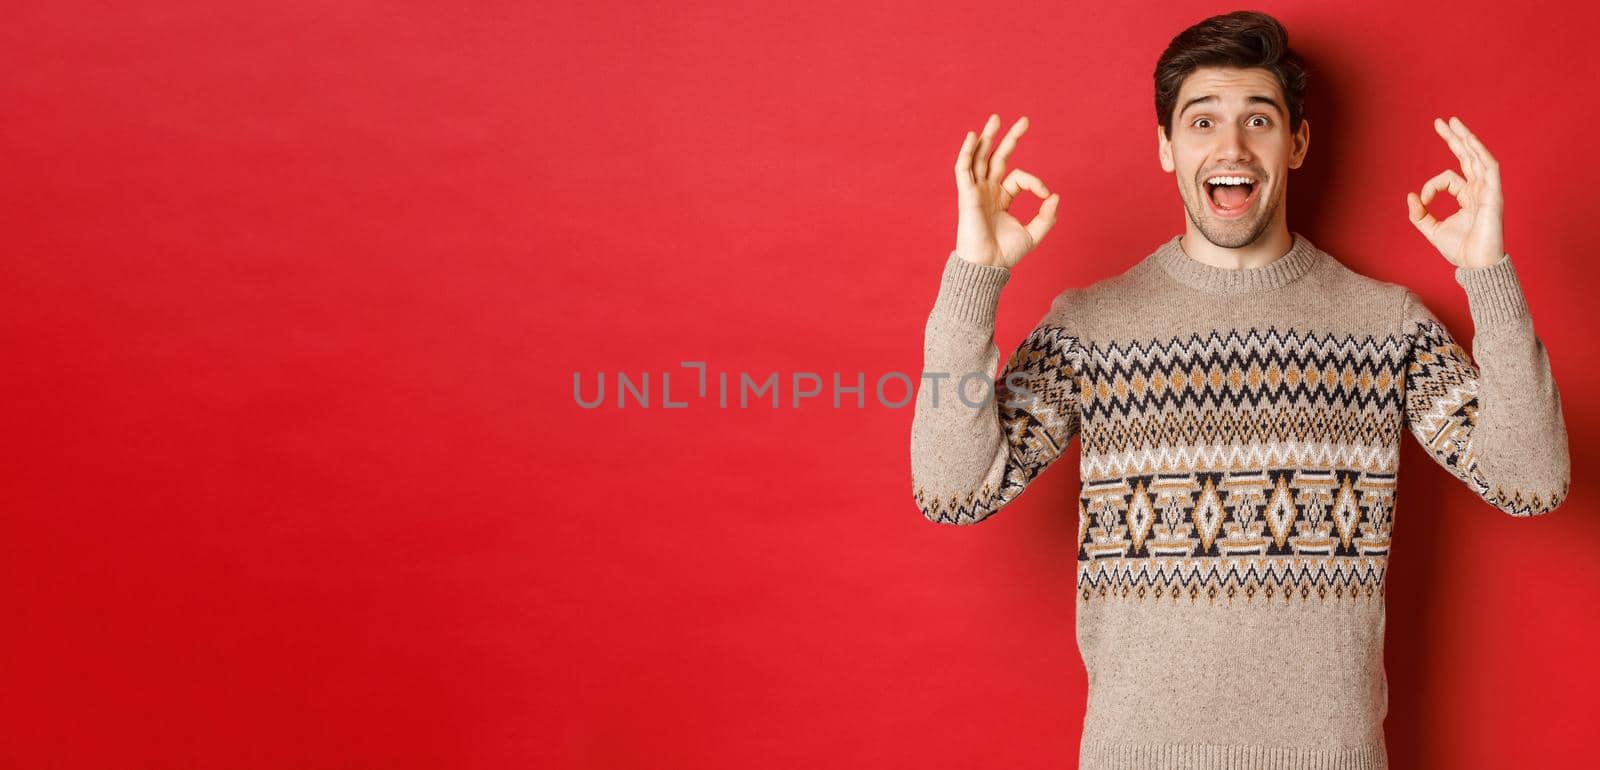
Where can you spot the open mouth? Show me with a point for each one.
(1231, 200)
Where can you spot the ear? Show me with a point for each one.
(1164, 149)
(1302, 143)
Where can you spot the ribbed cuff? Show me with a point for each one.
(1203, 756)
(1494, 294)
(970, 292)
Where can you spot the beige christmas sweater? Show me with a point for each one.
(1239, 449)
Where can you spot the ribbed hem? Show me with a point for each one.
(970, 292)
(1096, 755)
(1494, 294)
(1299, 260)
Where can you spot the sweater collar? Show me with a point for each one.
(1191, 272)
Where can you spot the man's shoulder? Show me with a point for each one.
(1346, 298)
(1076, 306)
(1339, 271)
(1128, 279)
(1340, 280)
(1104, 291)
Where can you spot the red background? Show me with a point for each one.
(294, 293)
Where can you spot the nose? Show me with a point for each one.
(1231, 145)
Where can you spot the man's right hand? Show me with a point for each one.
(986, 233)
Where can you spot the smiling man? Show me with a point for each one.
(1240, 397)
(1231, 149)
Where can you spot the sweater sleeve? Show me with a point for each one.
(1494, 422)
(977, 440)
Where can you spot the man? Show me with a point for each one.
(1240, 396)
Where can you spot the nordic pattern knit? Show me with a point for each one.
(1239, 447)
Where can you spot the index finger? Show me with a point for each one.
(997, 169)
(963, 168)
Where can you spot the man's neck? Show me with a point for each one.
(1273, 244)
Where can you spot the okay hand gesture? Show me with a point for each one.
(986, 232)
(1472, 237)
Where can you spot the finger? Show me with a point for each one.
(1469, 158)
(1044, 220)
(1419, 214)
(980, 164)
(1019, 180)
(1490, 166)
(1456, 146)
(1447, 180)
(1476, 145)
(997, 168)
(964, 178)
(1460, 130)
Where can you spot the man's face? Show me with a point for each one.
(1230, 132)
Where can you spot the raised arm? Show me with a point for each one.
(978, 440)
(1494, 423)
(1493, 419)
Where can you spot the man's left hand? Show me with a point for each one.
(1472, 237)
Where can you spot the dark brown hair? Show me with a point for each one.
(1242, 39)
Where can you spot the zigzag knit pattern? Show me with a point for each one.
(1442, 410)
(1039, 374)
(1301, 449)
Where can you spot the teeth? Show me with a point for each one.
(1230, 180)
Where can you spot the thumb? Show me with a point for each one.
(1419, 213)
(1045, 218)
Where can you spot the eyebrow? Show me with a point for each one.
(1251, 99)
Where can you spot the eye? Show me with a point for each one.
(1198, 121)
(1265, 120)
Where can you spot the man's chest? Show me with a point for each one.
(1233, 443)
